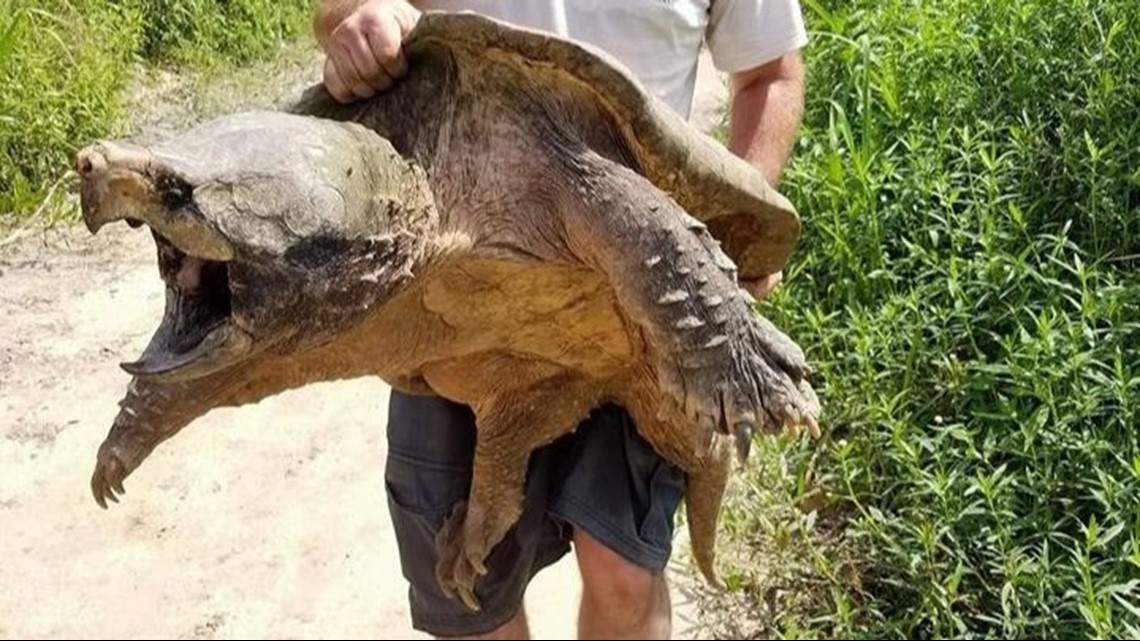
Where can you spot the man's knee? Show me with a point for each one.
(613, 581)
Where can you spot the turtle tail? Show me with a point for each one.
(703, 498)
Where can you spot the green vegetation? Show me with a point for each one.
(64, 66)
(205, 31)
(968, 290)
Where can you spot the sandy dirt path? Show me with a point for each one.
(267, 521)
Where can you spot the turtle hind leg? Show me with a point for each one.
(510, 428)
(727, 368)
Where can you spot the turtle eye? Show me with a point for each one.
(174, 192)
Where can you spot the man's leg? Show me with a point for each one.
(431, 444)
(620, 498)
(620, 599)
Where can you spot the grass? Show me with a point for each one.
(66, 65)
(61, 66)
(205, 32)
(967, 288)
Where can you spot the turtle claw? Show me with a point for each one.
(743, 434)
(813, 427)
(460, 558)
(461, 583)
(107, 480)
(479, 567)
(753, 380)
(467, 596)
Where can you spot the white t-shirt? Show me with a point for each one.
(659, 40)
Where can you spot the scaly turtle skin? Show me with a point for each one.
(516, 225)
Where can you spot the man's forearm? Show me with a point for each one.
(767, 107)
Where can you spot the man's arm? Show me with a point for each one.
(767, 107)
(758, 42)
(363, 42)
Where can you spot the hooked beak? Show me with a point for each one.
(120, 181)
(198, 335)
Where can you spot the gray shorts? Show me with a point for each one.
(604, 479)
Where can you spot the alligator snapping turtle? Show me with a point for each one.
(516, 225)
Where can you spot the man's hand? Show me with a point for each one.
(364, 44)
(764, 286)
(767, 106)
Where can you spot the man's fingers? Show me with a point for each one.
(353, 54)
(342, 57)
(386, 50)
(335, 84)
(406, 18)
(384, 39)
(373, 77)
(365, 52)
(764, 286)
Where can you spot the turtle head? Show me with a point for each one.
(273, 232)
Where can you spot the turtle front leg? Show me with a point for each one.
(150, 414)
(728, 368)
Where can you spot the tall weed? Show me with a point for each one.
(64, 65)
(968, 290)
(202, 32)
